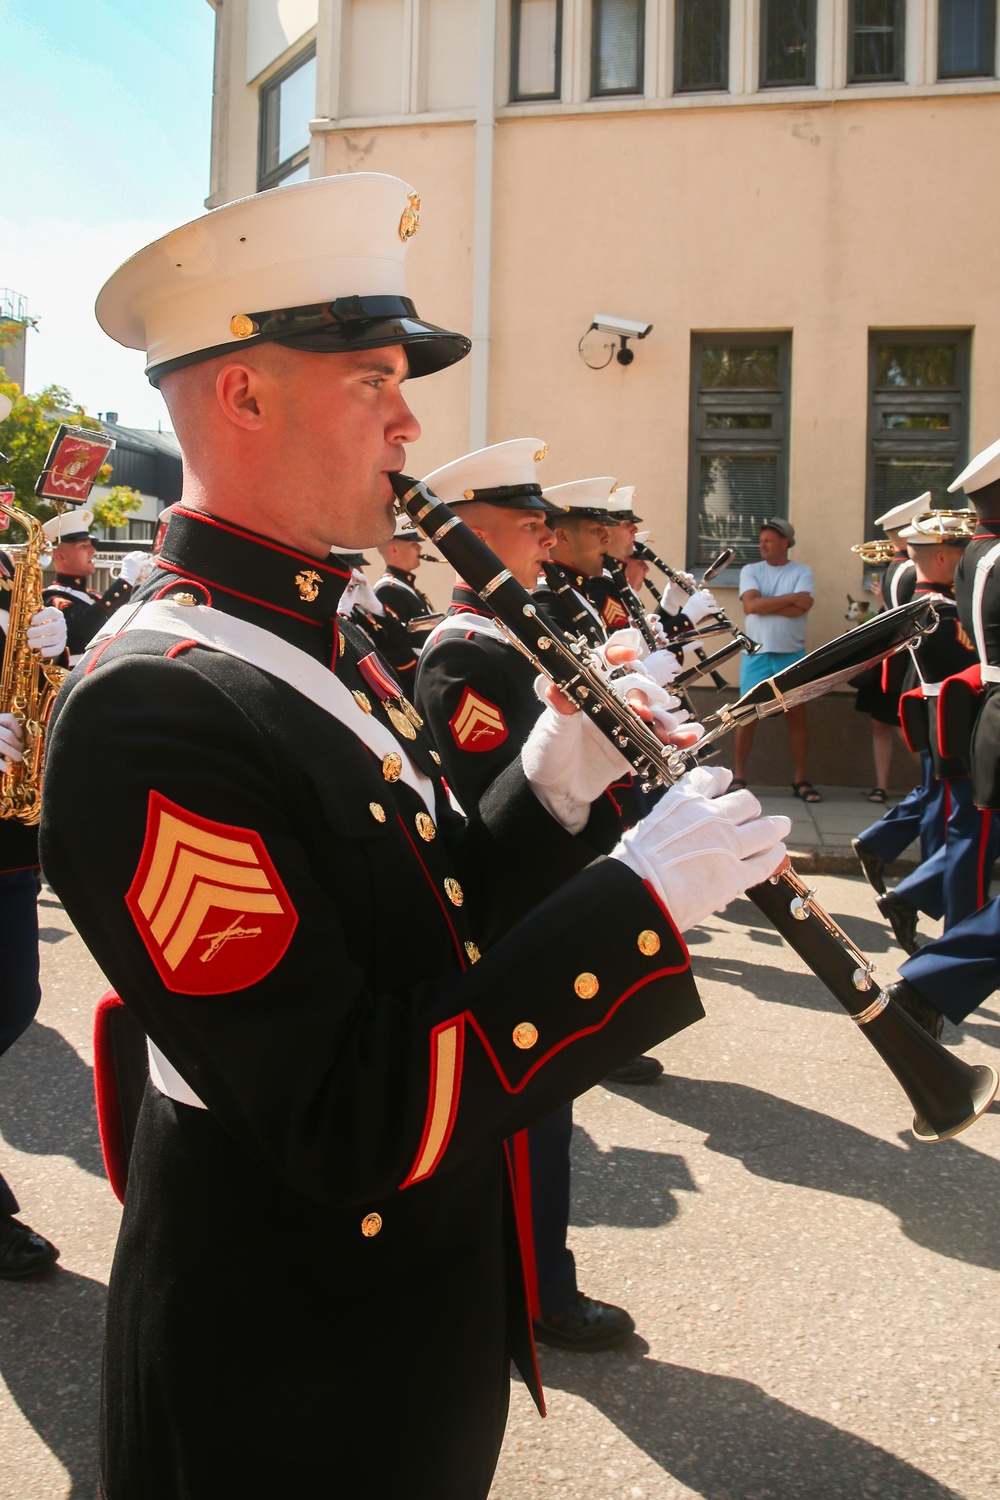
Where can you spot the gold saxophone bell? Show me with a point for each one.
(879, 552)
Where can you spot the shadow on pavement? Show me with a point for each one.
(946, 1196)
(727, 1439)
(46, 1120)
(765, 981)
(625, 1186)
(50, 1358)
(871, 934)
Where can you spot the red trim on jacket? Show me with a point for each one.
(194, 582)
(178, 647)
(98, 653)
(109, 1115)
(262, 541)
(525, 1232)
(250, 598)
(525, 1219)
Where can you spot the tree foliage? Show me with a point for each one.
(114, 508)
(25, 437)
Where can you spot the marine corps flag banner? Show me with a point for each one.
(73, 463)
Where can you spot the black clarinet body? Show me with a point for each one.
(630, 601)
(947, 1094)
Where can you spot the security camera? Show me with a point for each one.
(625, 328)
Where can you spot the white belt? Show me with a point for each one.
(168, 1080)
(991, 674)
(931, 689)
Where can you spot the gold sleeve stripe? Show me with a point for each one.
(446, 1078)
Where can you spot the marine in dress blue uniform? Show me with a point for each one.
(84, 608)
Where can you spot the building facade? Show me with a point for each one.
(798, 196)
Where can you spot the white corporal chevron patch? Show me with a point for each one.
(208, 903)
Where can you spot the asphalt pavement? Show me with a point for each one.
(815, 1293)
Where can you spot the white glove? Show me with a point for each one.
(11, 741)
(699, 849)
(656, 626)
(663, 667)
(568, 763)
(360, 592)
(47, 631)
(674, 597)
(699, 605)
(132, 565)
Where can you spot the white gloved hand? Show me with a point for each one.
(663, 667)
(132, 565)
(674, 597)
(699, 605)
(568, 763)
(47, 631)
(656, 626)
(360, 592)
(11, 741)
(699, 849)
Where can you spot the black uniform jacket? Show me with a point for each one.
(85, 609)
(316, 1289)
(898, 583)
(942, 652)
(562, 594)
(398, 591)
(603, 593)
(478, 696)
(982, 622)
(18, 843)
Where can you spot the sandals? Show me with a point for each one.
(878, 794)
(737, 784)
(805, 791)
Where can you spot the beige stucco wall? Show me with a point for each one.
(825, 221)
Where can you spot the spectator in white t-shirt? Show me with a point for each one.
(776, 595)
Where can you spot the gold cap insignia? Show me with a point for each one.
(410, 221)
(241, 327)
(469, 494)
(370, 1225)
(541, 453)
(586, 986)
(649, 942)
(308, 583)
(525, 1035)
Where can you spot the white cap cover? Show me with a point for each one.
(503, 474)
(71, 526)
(274, 266)
(588, 498)
(902, 515)
(983, 470)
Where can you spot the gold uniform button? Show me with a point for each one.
(435, 757)
(425, 827)
(370, 1225)
(649, 942)
(453, 891)
(187, 599)
(473, 953)
(392, 766)
(361, 700)
(525, 1035)
(586, 986)
(377, 811)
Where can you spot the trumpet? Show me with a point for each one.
(878, 553)
(947, 1094)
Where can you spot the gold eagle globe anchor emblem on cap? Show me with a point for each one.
(410, 221)
(308, 583)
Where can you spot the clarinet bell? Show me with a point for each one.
(947, 1094)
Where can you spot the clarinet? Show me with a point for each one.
(648, 555)
(946, 1093)
(630, 601)
(561, 584)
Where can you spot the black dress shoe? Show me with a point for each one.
(639, 1070)
(585, 1325)
(919, 1009)
(902, 918)
(872, 865)
(22, 1251)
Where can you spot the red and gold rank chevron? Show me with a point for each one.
(613, 614)
(477, 724)
(208, 902)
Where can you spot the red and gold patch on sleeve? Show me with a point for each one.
(477, 724)
(614, 615)
(208, 902)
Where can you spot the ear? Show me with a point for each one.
(238, 392)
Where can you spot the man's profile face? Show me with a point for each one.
(773, 546)
(581, 546)
(76, 558)
(404, 555)
(621, 540)
(521, 539)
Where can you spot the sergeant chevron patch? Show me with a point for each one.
(208, 903)
(614, 614)
(477, 724)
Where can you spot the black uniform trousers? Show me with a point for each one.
(19, 989)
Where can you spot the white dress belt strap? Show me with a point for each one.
(167, 1079)
(991, 674)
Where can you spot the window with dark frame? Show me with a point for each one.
(701, 45)
(535, 49)
(287, 104)
(917, 417)
(738, 471)
(787, 43)
(875, 41)
(618, 31)
(967, 38)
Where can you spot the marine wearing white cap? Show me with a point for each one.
(71, 526)
(902, 515)
(503, 474)
(584, 499)
(982, 471)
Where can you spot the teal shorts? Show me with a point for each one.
(764, 664)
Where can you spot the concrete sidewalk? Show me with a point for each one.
(820, 840)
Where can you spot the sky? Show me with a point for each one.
(106, 123)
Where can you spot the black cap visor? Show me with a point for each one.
(508, 497)
(342, 327)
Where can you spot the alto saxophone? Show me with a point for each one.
(28, 683)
